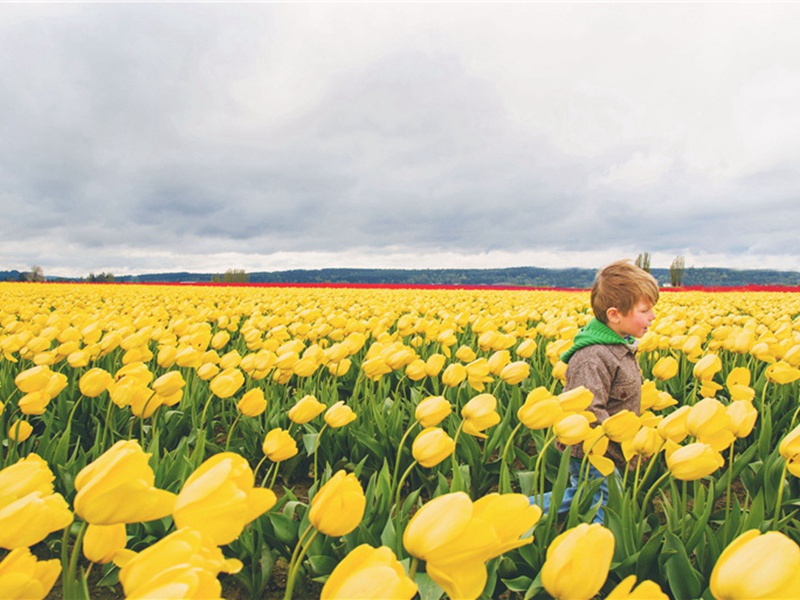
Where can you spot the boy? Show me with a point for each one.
(603, 359)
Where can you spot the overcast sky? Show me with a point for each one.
(141, 137)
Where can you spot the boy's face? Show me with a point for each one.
(635, 323)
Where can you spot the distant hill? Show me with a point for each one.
(517, 276)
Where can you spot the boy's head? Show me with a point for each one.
(619, 287)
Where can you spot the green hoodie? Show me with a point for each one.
(595, 332)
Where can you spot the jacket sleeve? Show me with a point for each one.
(587, 368)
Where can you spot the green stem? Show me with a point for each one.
(400, 485)
(400, 452)
(730, 483)
(106, 425)
(779, 500)
(74, 406)
(412, 569)
(653, 488)
(274, 476)
(293, 569)
(399, 513)
(230, 432)
(504, 468)
(549, 439)
(71, 590)
(258, 466)
(316, 447)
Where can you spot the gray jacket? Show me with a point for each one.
(612, 374)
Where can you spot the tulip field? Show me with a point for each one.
(363, 442)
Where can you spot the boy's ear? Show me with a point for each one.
(613, 314)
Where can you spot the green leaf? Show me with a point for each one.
(388, 535)
(428, 589)
(527, 481)
(322, 564)
(370, 443)
(683, 579)
(309, 441)
(285, 528)
(518, 584)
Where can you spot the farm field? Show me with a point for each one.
(252, 442)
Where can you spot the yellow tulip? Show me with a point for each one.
(20, 431)
(706, 418)
(415, 370)
(306, 409)
(709, 388)
(646, 590)
(577, 562)
(227, 383)
(219, 499)
(456, 537)
(742, 416)
(58, 381)
(188, 357)
(180, 565)
(27, 475)
(498, 361)
(305, 367)
(252, 403)
(738, 376)
(102, 542)
(432, 410)
(694, 461)
(368, 572)
(454, 374)
(465, 354)
(144, 402)
(339, 415)
(540, 414)
(622, 426)
(515, 372)
(707, 367)
(526, 348)
(431, 446)
(572, 429)
(22, 575)
(338, 507)
(576, 400)
(33, 379)
(340, 368)
(741, 392)
(207, 371)
(757, 565)
(27, 520)
(34, 403)
(665, 368)
(782, 373)
(118, 487)
(646, 442)
(375, 368)
(220, 339)
(560, 371)
(94, 382)
(434, 364)
(78, 359)
(479, 414)
(790, 444)
(168, 384)
(166, 356)
(279, 445)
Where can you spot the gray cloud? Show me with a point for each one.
(142, 137)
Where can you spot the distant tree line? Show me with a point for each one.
(676, 275)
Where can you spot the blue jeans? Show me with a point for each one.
(569, 494)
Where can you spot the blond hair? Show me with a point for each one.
(621, 285)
